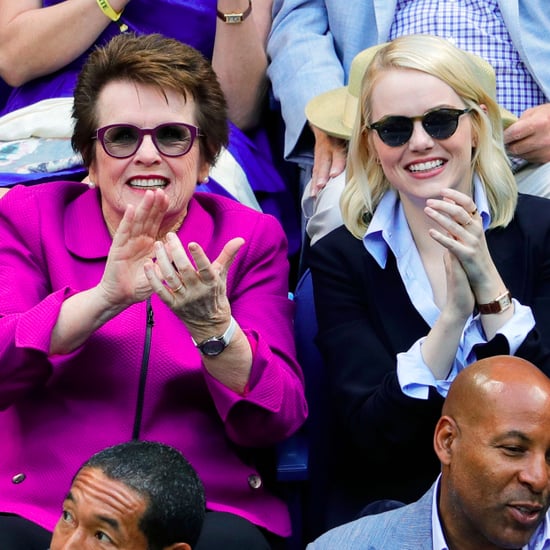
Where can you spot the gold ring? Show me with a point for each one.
(199, 271)
(468, 222)
(473, 213)
(174, 290)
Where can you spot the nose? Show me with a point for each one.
(420, 139)
(147, 152)
(536, 473)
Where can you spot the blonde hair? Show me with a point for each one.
(367, 183)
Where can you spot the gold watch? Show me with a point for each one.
(235, 18)
(500, 304)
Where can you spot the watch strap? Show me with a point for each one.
(235, 17)
(224, 339)
(500, 304)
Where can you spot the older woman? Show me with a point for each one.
(137, 309)
(439, 263)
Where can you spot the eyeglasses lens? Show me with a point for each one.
(439, 124)
(123, 140)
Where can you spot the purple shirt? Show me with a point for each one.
(58, 410)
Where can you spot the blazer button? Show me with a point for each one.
(18, 478)
(254, 481)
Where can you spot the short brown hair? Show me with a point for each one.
(157, 61)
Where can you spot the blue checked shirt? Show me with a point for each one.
(476, 26)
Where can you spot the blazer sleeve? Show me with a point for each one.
(303, 64)
(274, 405)
(28, 305)
(521, 252)
(365, 318)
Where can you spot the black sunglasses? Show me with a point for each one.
(439, 124)
(172, 139)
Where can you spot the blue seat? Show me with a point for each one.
(315, 431)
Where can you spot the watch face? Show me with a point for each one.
(212, 347)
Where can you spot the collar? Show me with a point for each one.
(438, 538)
(539, 541)
(389, 230)
(87, 235)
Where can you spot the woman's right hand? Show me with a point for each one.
(124, 281)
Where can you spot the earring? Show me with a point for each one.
(206, 179)
(91, 185)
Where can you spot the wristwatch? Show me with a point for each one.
(216, 344)
(500, 304)
(234, 18)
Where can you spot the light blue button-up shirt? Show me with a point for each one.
(389, 232)
(539, 541)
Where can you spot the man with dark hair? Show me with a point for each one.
(139, 495)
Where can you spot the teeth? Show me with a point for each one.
(147, 183)
(420, 167)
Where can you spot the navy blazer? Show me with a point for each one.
(365, 316)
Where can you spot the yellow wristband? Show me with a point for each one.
(108, 10)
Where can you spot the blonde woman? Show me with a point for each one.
(439, 263)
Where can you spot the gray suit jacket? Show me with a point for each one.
(406, 528)
(313, 43)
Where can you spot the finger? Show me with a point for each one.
(221, 264)
(168, 272)
(179, 258)
(155, 280)
(339, 159)
(320, 174)
(455, 221)
(151, 211)
(456, 205)
(122, 232)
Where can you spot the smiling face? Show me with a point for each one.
(124, 181)
(423, 166)
(100, 513)
(496, 484)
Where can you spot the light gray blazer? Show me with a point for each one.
(406, 528)
(313, 42)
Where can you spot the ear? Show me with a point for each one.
(178, 546)
(445, 434)
(92, 172)
(483, 107)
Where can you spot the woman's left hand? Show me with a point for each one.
(462, 234)
(197, 295)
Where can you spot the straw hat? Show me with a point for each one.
(334, 111)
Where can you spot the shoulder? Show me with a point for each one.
(336, 239)
(44, 199)
(406, 528)
(237, 216)
(531, 218)
(339, 247)
(529, 204)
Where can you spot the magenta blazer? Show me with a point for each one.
(56, 411)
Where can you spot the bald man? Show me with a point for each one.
(493, 442)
